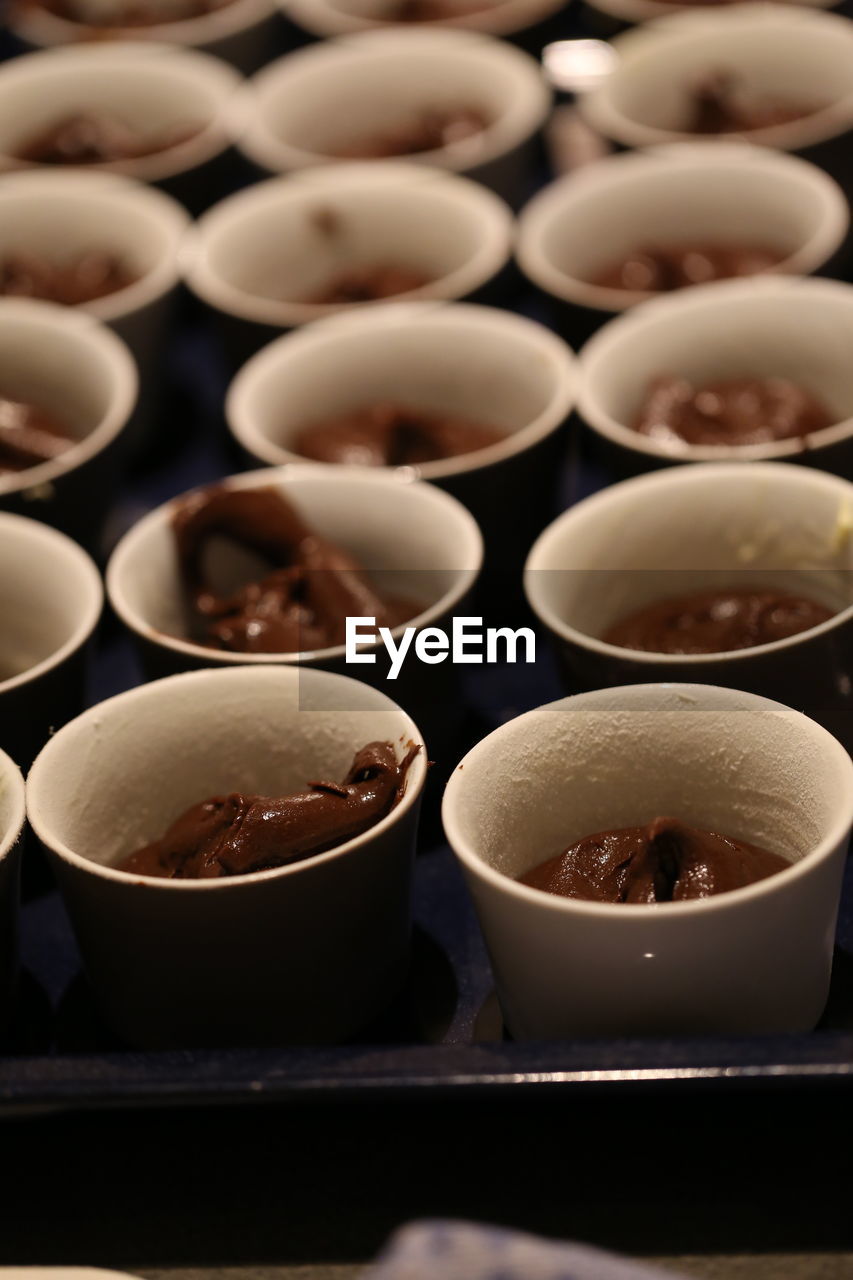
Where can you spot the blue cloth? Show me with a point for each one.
(465, 1251)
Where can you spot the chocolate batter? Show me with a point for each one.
(736, 412)
(301, 605)
(369, 284)
(719, 105)
(126, 13)
(717, 621)
(29, 435)
(96, 137)
(234, 835)
(666, 861)
(389, 435)
(434, 128)
(80, 279)
(659, 268)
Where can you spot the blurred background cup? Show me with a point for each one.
(259, 258)
(700, 528)
(242, 32)
(756, 960)
(152, 89)
(707, 194)
(477, 364)
(790, 328)
(774, 52)
(609, 16)
(12, 815)
(61, 216)
(302, 110)
(306, 953)
(70, 365)
(529, 23)
(52, 599)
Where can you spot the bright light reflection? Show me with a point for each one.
(576, 66)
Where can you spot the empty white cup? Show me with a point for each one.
(755, 960)
(52, 599)
(238, 31)
(68, 363)
(721, 193)
(299, 110)
(12, 816)
(766, 328)
(305, 953)
(258, 255)
(150, 87)
(689, 529)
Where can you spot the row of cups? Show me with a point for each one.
(311, 952)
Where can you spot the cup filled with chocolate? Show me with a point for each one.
(470, 398)
(239, 31)
(640, 224)
(292, 250)
(240, 872)
(662, 859)
(453, 99)
(726, 574)
(513, 19)
(52, 599)
(152, 112)
(780, 75)
(736, 371)
(68, 387)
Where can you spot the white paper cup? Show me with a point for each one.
(12, 815)
(151, 87)
(254, 256)
(296, 112)
(65, 213)
(717, 192)
(699, 528)
(476, 363)
(753, 961)
(768, 328)
(776, 51)
(52, 599)
(303, 953)
(637, 11)
(325, 18)
(239, 32)
(68, 363)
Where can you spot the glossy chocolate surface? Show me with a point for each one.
(76, 280)
(96, 137)
(660, 268)
(737, 411)
(390, 435)
(29, 434)
(432, 129)
(719, 104)
(369, 283)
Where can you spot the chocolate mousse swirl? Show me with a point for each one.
(235, 834)
(666, 861)
(300, 606)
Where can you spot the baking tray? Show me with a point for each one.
(444, 1033)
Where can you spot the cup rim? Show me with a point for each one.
(493, 214)
(637, 11)
(120, 192)
(627, 168)
(52, 320)
(290, 474)
(92, 594)
(41, 27)
(183, 63)
(521, 116)
(682, 28)
(474, 864)
(669, 479)
(12, 780)
(721, 292)
(390, 317)
(154, 690)
(505, 17)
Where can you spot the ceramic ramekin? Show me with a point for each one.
(296, 112)
(752, 961)
(70, 364)
(718, 192)
(693, 529)
(767, 328)
(52, 599)
(258, 253)
(12, 816)
(305, 953)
